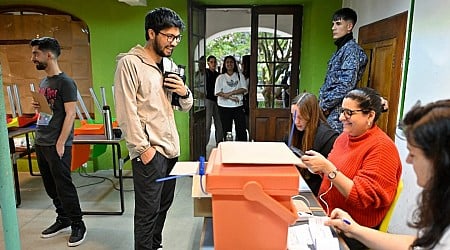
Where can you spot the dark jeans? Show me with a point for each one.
(58, 182)
(152, 200)
(228, 115)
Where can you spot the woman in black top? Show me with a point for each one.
(311, 132)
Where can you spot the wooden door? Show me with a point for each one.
(197, 128)
(384, 43)
(274, 70)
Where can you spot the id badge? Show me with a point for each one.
(44, 119)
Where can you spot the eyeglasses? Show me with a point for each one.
(348, 112)
(171, 38)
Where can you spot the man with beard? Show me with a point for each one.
(146, 117)
(53, 142)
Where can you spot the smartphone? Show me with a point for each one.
(297, 151)
(166, 75)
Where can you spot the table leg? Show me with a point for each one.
(16, 180)
(122, 203)
(119, 157)
(30, 163)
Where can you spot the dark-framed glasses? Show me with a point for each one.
(349, 112)
(171, 38)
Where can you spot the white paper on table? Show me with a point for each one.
(299, 237)
(321, 235)
(185, 168)
(262, 153)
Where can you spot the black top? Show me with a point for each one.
(58, 90)
(323, 143)
(211, 77)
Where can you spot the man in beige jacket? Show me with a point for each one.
(145, 112)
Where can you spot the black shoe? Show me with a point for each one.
(78, 234)
(59, 226)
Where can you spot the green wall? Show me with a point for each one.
(115, 27)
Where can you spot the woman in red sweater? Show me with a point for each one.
(363, 168)
(427, 132)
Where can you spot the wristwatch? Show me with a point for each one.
(332, 174)
(188, 93)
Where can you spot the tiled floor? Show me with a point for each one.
(182, 230)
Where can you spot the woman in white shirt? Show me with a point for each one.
(230, 89)
(427, 131)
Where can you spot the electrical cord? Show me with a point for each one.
(324, 202)
(83, 173)
(303, 198)
(201, 172)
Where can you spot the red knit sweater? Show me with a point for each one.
(373, 163)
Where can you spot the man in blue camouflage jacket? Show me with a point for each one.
(345, 68)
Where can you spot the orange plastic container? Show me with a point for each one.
(89, 129)
(251, 203)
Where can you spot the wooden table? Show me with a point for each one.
(16, 153)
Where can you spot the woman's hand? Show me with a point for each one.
(342, 222)
(316, 162)
(230, 95)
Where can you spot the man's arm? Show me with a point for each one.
(126, 106)
(70, 109)
(342, 77)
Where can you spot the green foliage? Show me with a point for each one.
(274, 58)
(236, 44)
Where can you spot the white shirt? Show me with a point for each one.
(225, 84)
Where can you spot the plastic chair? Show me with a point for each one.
(385, 223)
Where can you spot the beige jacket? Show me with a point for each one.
(143, 106)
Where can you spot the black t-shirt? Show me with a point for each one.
(211, 77)
(58, 90)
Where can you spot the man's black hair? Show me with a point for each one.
(211, 56)
(346, 14)
(47, 44)
(162, 18)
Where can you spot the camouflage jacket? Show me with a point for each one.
(345, 69)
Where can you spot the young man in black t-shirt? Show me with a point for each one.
(53, 143)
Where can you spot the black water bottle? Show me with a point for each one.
(107, 122)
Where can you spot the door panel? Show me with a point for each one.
(381, 68)
(384, 43)
(274, 70)
(197, 26)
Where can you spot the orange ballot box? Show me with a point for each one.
(251, 184)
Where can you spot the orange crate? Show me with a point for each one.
(89, 129)
(251, 203)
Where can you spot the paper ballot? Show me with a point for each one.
(314, 235)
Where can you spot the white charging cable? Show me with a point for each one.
(324, 202)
